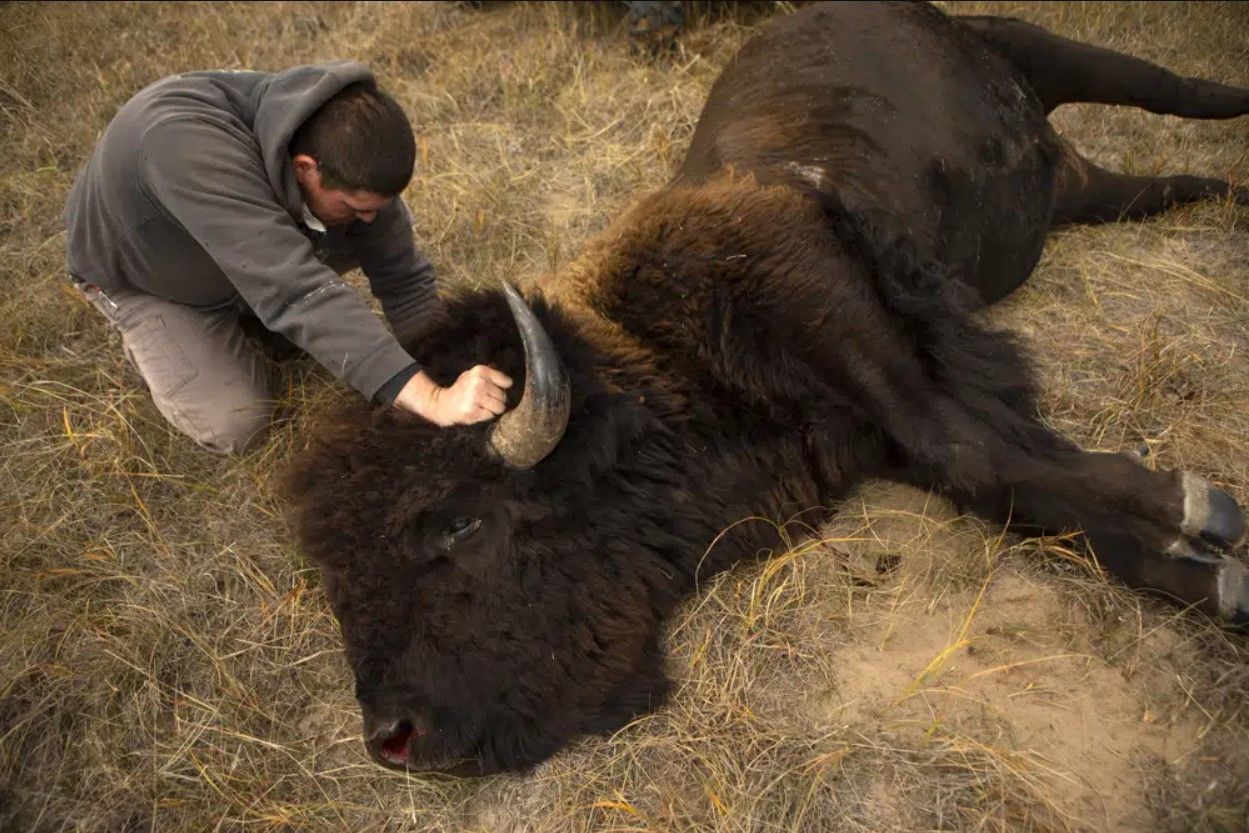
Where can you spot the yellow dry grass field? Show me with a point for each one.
(168, 661)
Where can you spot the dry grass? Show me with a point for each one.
(168, 663)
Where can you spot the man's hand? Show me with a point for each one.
(479, 394)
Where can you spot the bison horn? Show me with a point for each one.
(528, 432)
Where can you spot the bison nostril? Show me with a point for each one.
(391, 741)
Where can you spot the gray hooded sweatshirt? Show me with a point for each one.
(190, 195)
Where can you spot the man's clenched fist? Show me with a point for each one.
(478, 394)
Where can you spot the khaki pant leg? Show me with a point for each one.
(204, 376)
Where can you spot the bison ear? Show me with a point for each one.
(607, 431)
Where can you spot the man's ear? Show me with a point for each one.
(305, 167)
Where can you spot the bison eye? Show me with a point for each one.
(459, 529)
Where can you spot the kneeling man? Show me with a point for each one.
(218, 202)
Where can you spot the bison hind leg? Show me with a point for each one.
(1085, 193)
(1062, 71)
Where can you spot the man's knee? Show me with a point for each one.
(234, 428)
(226, 419)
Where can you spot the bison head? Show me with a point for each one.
(490, 607)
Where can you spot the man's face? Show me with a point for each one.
(333, 206)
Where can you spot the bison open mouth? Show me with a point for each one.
(391, 745)
(392, 748)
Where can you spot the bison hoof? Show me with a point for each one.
(1234, 594)
(1225, 525)
(1211, 514)
(1216, 584)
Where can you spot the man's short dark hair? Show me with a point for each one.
(362, 141)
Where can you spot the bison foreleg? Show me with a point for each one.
(1159, 531)
(963, 421)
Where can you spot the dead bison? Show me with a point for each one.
(791, 315)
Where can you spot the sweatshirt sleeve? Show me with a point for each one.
(401, 278)
(208, 176)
